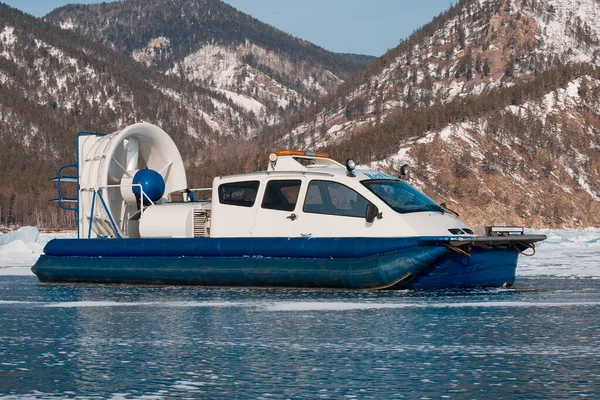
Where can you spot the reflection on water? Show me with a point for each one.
(541, 339)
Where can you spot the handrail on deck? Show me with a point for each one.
(59, 178)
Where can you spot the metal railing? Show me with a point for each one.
(191, 192)
(97, 192)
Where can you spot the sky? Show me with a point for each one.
(347, 26)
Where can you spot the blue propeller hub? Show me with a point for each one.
(152, 183)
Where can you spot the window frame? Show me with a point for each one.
(275, 181)
(363, 215)
(433, 206)
(245, 204)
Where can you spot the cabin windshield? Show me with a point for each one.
(401, 197)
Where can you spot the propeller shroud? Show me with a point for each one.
(107, 167)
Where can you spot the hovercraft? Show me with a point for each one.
(306, 221)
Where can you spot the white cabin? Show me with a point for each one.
(298, 195)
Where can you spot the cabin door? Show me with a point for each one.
(278, 209)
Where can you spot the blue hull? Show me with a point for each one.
(344, 263)
(486, 267)
(341, 263)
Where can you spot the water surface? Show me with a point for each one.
(538, 339)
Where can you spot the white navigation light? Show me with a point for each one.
(272, 160)
(350, 166)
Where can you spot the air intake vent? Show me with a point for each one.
(201, 223)
(463, 231)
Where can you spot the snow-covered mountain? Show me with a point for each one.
(54, 83)
(475, 47)
(261, 69)
(495, 104)
(209, 75)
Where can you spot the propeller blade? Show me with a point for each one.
(113, 180)
(124, 170)
(164, 171)
(132, 153)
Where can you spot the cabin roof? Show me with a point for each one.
(309, 166)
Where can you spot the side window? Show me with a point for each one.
(324, 197)
(281, 195)
(238, 193)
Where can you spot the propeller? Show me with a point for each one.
(141, 154)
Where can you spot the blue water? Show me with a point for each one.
(539, 339)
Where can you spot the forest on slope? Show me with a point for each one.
(495, 105)
(216, 46)
(129, 25)
(55, 82)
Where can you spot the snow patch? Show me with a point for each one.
(566, 253)
(20, 249)
(246, 102)
(8, 37)
(68, 24)
(155, 48)
(214, 64)
(555, 32)
(24, 234)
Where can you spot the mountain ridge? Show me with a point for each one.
(495, 105)
(213, 44)
(55, 83)
(518, 57)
